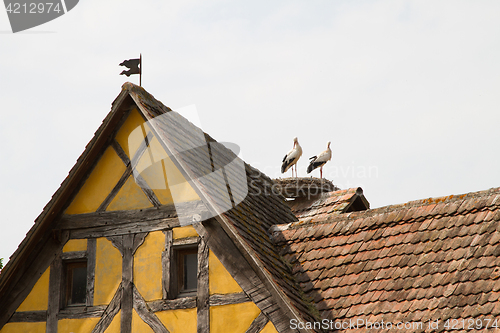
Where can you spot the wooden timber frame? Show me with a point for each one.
(43, 246)
(127, 297)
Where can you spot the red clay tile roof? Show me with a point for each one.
(329, 203)
(433, 259)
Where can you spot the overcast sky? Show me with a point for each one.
(406, 91)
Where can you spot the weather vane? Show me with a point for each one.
(134, 67)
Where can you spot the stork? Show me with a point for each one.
(292, 157)
(320, 160)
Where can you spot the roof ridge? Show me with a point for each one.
(406, 207)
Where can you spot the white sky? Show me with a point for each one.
(407, 91)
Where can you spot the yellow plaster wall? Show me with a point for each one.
(130, 196)
(180, 189)
(161, 174)
(24, 328)
(148, 267)
(101, 181)
(150, 168)
(219, 279)
(183, 232)
(134, 120)
(138, 325)
(269, 328)
(114, 327)
(179, 321)
(75, 245)
(38, 298)
(77, 325)
(108, 272)
(234, 318)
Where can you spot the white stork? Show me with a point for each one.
(292, 157)
(320, 160)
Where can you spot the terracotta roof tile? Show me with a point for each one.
(433, 258)
(496, 309)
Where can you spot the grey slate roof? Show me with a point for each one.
(254, 215)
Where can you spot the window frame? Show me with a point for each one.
(174, 267)
(67, 285)
(181, 270)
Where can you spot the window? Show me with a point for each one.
(187, 267)
(181, 271)
(181, 262)
(76, 283)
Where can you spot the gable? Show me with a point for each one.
(116, 215)
(134, 172)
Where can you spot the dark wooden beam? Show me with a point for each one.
(117, 242)
(81, 312)
(91, 262)
(120, 152)
(111, 310)
(127, 279)
(54, 293)
(173, 304)
(125, 229)
(138, 178)
(138, 241)
(141, 150)
(107, 312)
(118, 218)
(186, 241)
(258, 324)
(226, 299)
(126, 174)
(115, 218)
(130, 165)
(107, 224)
(148, 192)
(76, 255)
(203, 293)
(166, 264)
(28, 317)
(146, 314)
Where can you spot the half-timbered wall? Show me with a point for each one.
(126, 235)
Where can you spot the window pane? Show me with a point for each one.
(78, 285)
(190, 271)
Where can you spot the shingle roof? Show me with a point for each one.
(431, 259)
(260, 209)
